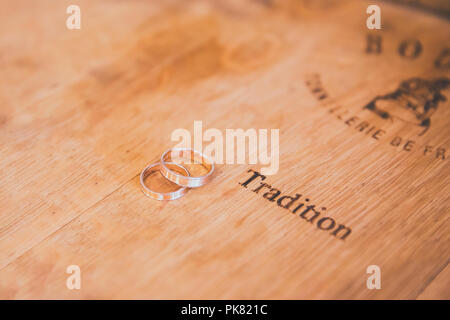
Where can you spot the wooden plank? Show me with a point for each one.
(85, 111)
(438, 288)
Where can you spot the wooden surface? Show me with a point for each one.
(83, 111)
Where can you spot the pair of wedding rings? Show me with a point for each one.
(178, 157)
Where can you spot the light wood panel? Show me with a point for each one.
(82, 112)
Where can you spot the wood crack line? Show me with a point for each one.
(432, 279)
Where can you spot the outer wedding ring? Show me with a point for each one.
(159, 195)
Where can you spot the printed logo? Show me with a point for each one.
(414, 101)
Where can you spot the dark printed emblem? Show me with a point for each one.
(414, 101)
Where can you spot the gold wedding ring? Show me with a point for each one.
(183, 156)
(156, 167)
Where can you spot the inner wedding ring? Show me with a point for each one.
(160, 195)
(186, 181)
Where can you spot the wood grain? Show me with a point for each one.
(83, 111)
